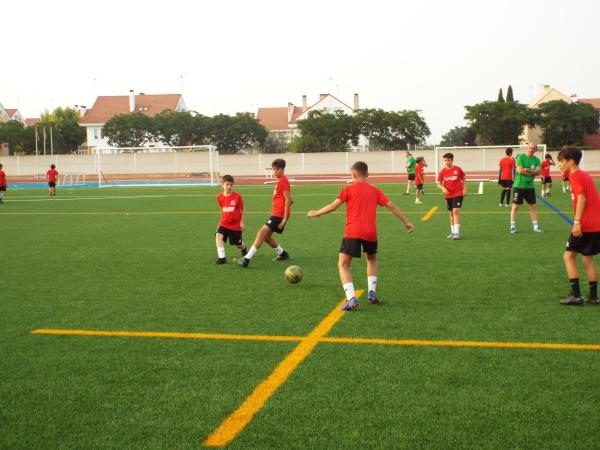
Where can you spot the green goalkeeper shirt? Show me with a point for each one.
(523, 181)
(411, 163)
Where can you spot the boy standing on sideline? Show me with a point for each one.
(451, 180)
(231, 224)
(565, 181)
(280, 214)
(2, 184)
(361, 200)
(410, 170)
(507, 177)
(528, 167)
(52, 177)
(420, 177)
(546, 178)
(585, 234)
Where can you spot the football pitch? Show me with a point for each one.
(118, 331)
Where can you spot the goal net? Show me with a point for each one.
(71, 179)
(196, 165)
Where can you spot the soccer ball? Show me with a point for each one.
(293, 274)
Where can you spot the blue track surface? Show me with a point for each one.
(114, 184)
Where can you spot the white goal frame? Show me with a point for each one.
(71, 179)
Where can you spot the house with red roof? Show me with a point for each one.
(592, 140)
(15, 114)
(107, 106)
(4, 117)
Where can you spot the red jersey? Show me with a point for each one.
(231, 210)
(583, 184)
(546, 168)
(419, 175)
(361, 201)
(452, 179)
(283, 185)
(52, 175)
(507, 167)
(2, 178)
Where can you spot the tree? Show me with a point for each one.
(67, 135)
(509, 95)
(230, 134)
(128, 130)
(499, 123)
(458, 136)
(500, 96)
(12, 133)
(326, 132)
(566, 123)
(391, 130)
(179, 128)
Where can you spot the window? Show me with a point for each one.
(97, 133)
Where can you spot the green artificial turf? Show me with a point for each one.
(141, 259)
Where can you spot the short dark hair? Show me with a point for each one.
(278, 163)
(361, 168)
(509, 151)
(569, 152)
(448, 156)
(1, 166)
(419, 159)
(52, 166)
(227, 178)
(548, 156)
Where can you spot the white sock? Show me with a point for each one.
(372, 282)
(221, 252)
(279, 250)
(513, 224)
(251, 252)
(457, 228)
(452, 228)
(535, 225)
(349, 290)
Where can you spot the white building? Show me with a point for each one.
(283, 122)
(106, 107)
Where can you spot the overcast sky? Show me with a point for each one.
(229, 56)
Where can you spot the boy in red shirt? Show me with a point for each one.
(52, 177)
(546, 178)
(420, 177)
(361, 200)
(507, 176)
(451, 181)
(280, 214)
(585, 234)
(2, 185)
(231, 224)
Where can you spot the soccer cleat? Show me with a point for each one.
(506, 206)
(513, 230)
(593, 301)
(406, 193)
(500, 205)
(450, 236)
(456, 237)
(373, 300)
(538, 230)
(571, 300)
(418, 202)
(221, 261)
(350, 305)
(284, 255)
(243, 262)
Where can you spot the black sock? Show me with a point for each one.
(593, 289)
(244, 251)
(508, 196)
(502, 196)
(574, 282)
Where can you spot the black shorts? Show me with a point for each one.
(506, 183)
(273, 223)
(352, 246)
(546, 180)
(419, 187)
(520, 194)
(234, 236)
(454, 202)
(2, 188)
(51, 184)
(566, 179)
(588, 244)
(411, 176)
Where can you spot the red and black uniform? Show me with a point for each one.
(589, 243)
(231, 217)
(545, 174)
(507, 171)
(52, 177)
(2, 181)
(278, 209)
(362, 200)
(419, 176)
(453, 180)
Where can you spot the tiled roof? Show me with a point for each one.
(108, 106)
(595, 102)
(31, 121)
(273, 118)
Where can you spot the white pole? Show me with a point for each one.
(176, 162)
(392, 156)
(303, 167)
(134, 162)
(483, 159)
(210, 165)
(582, 159)
(260, 167)
(437, 164)
(18, 165)
(347, 162)
(218, 161)
(51, 143)
(99, 151)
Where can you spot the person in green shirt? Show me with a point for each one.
(410, 170)
(528, 167)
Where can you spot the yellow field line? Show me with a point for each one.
(429, 213)
(423, 343)
(160, 334)
(238, 420)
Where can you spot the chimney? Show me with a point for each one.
(304, 103)
(321, 96)
(131, 101)
(546, 87)
(290, 111)
(356, 104)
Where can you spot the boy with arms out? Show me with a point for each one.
(507, 177)
(231, 224)
(280, 214)
(361, 200)
(2, 184)
(528, 167)
(585, 234)
(451, 180)
(420, 177)
(546, 178)
(52, 177)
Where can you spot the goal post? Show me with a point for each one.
(129, 166)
